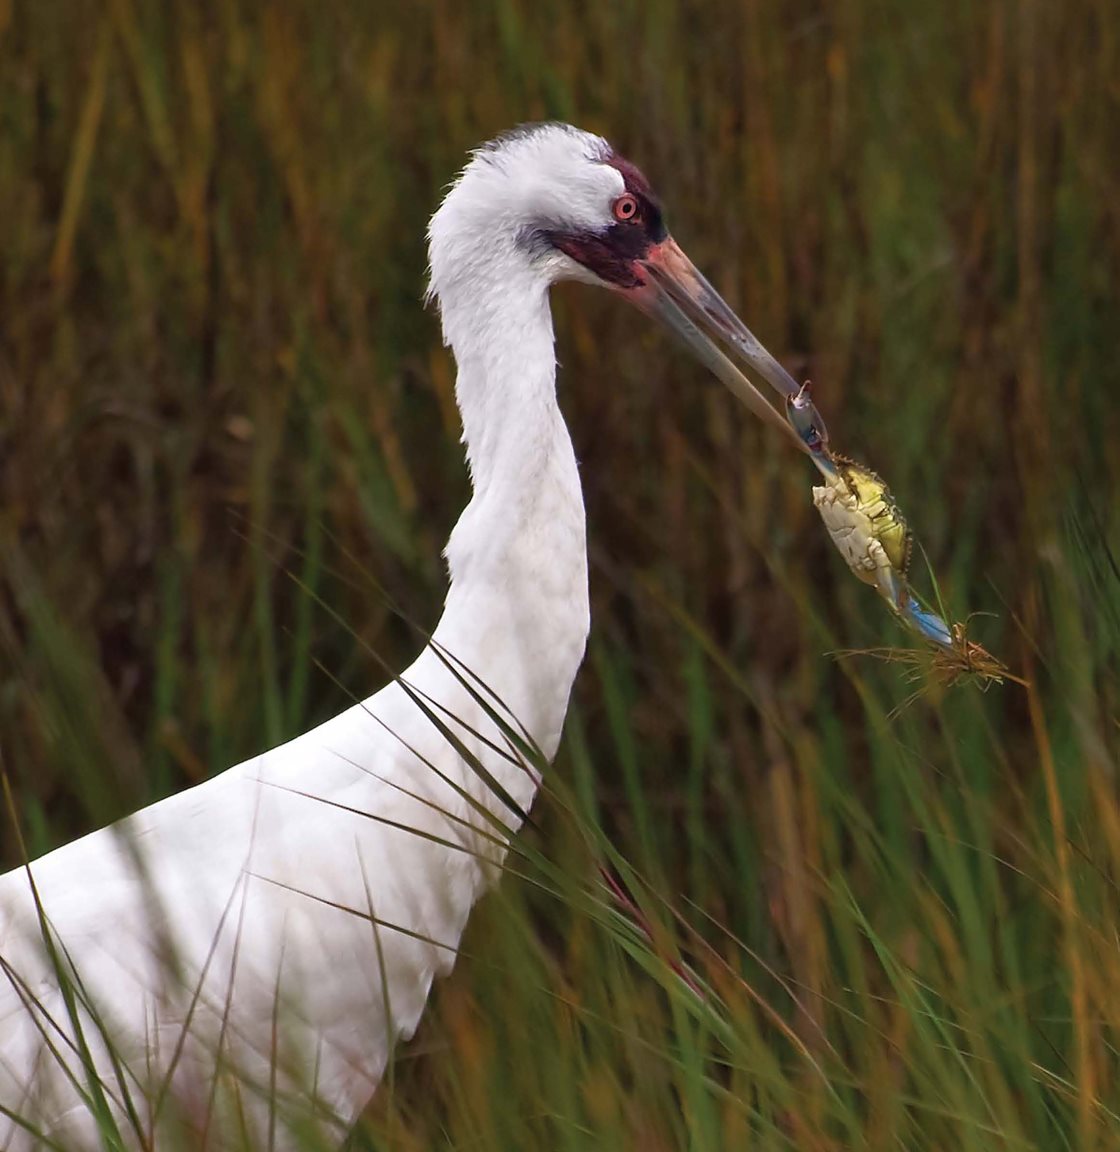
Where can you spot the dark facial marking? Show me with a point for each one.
(610, 260)
(612, 254)
(638, 187)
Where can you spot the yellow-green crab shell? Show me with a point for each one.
(867, 527)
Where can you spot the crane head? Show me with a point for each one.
(566, 206)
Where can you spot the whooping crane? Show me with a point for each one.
(252, 948)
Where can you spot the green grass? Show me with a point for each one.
(221, 406)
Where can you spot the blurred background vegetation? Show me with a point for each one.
(221, 404)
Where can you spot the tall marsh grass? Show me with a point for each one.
(762, 906)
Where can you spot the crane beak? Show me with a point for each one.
(676, 293)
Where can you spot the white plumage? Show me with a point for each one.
(255, 946)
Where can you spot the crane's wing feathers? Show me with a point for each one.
(313, 851)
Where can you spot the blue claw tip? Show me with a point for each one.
(928, 624)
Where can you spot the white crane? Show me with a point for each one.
(242, 957)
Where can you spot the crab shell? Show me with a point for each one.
(867, 527)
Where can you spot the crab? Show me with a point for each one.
(867, 528)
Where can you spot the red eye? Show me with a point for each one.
(625, 208)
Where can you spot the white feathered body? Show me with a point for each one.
(291, 913)
(308, 855)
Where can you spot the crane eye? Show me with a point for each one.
(625, 208)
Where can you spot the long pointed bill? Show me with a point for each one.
(678, 295)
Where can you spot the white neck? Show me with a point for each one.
(517, 611)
